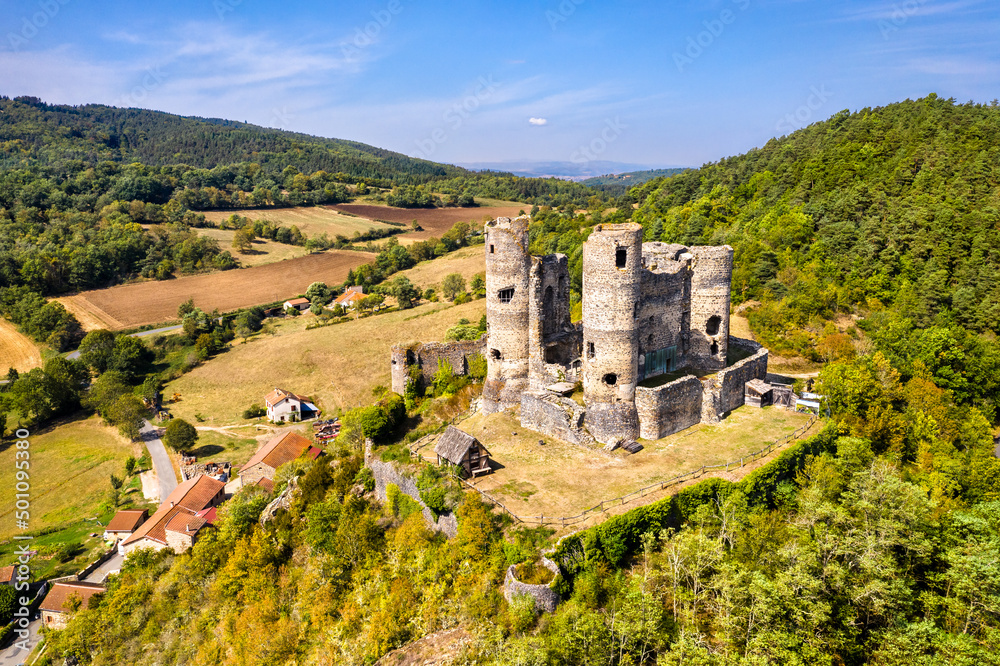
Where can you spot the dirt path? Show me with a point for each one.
(16, 350)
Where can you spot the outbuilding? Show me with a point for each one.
(65, 598)
(462, 449)
(758, 393)
(299, 304)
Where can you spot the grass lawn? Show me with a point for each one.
(336, 365)
(235, 445)
(71, 463)
(560, 479)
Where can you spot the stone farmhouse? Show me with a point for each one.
(124, 524)
(175, 524)
(284, 448)
(56, 606)
(653, 352)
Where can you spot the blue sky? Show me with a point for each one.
(656, 83)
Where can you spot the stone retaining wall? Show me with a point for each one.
(553, 415)
(426, 356)
(732, 380)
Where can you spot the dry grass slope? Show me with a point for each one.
(336, 365)
(17, 350)
(311, 221)
(467, 262)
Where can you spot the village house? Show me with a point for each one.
(299, 304)
(61, 601)
(124, 524)
(268, 458)
(7, 576)
(350, 298)
(175, 524)
(286, 407)
(462, 449)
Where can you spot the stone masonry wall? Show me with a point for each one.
(553, 415)
(665, 309)
(734, 379)
(386, 473)
(670, 408)
(546, 599)
(711, 284)
(426, 356)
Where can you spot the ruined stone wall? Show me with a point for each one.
(427, 356)
(386, 473)
(711, 282)
(546, 599)
(548, 320)
(508, 266)
(553, 415)
(665, 308)
(732, 380)
(612, 268)
(670, 408)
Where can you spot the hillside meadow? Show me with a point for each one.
(336, 365)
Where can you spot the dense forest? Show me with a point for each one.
(617, 184)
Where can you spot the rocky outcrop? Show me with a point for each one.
(283, 502)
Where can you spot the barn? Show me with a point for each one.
(462, 449)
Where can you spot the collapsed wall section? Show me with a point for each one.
(670, 408)
(427, 357)
(553, 415)
(553, 342)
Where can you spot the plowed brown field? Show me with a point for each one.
(16, 350)
(154, 302)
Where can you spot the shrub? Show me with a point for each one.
(254, 411)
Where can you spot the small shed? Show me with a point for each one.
(783, 396)
(299, 304)
(462, 449)
(758, 393)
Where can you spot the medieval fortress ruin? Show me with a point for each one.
(653, 352)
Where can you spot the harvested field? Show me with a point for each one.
(156, 301)
(435, 221)
(336, 365)
(89, 315)
(311, 220)
(17, 350)
(560, 479)
(468, 261)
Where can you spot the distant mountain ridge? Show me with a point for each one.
(556, 169)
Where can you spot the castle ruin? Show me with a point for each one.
(653, 351)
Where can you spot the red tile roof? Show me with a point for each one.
(266, 483)
(188, 498)
(277, 395)
(6, 574)
(210, 515)
(349, 297)
(314, 452)
(127, 521)
(283, 448)
(56, 599)
(297, 301)
(185, 523)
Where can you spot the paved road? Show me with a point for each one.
(140, 334)
(98, 575)
(161, 462)
(13, 655)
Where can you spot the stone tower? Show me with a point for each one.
(508, 267)
(710, 292)
(612, 274)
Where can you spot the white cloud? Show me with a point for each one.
(538, 121)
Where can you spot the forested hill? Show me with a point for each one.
(32, 132)
(618, 183)
(893, 207)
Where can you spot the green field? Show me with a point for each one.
(71, 463)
